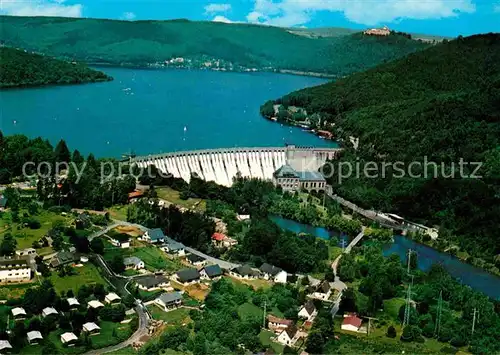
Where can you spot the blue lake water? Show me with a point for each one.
(476, 278)
(146, 111)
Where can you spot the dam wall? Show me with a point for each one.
(222, 165)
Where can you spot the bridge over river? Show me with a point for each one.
(222, 165)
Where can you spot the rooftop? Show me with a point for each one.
(132, 260)
(170, 297)
(151, 280)
(245, 270)
(4, 344)
(13, 263)
(156, 234)
(73, 301)
(90, 326)
(352, 320)
(311, 176)
(277, 320)
(34, 335)
(270, 269)
(95, 304)
(3, 201)
(67, 337)
(187, 275)
(193, 258)
(213, 270)
(286, 171)
(18, 311)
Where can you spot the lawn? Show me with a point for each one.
(111, 334)
(171, 195)
(125, 351)
(154, 259)
(88, 274)
(255, 284)
(14, 291)
(265, 338)
(392, 306)
(248, 310)
(26, 236)
(178, 316)
(118, 212)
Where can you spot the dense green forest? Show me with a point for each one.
(20, 68)
(441, 104)
(251, 46)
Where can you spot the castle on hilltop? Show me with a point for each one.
(384, 31)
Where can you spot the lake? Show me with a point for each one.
(145, 111)
(475, 277)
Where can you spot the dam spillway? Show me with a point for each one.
(222, 165)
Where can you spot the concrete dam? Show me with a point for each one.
(222, 165)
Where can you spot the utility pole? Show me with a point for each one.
(369, 323)
(264, 319)
(406, 319)
(438, 314)
(474, 320)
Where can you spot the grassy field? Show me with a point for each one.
(171, 195)
(26, 236)
(14, 291)
(391, 307)
(118, 212)
(255, 284)
(85, 275)
(125, 351)
(265, 338)
(248, 310)
(111, 334)
(179, 316)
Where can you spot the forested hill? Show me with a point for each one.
(20, 68)
(442, 103)
(249, 46)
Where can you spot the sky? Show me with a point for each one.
(437, 17)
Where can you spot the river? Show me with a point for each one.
(475, 277)
(155, 111)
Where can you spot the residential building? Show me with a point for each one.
(273, 273)
(112, 298)
(288, 336)
(120, 240)
(26, 252)
(195, 260)
(133, 262)
(49, 311)
(244, 272)
(95, 304)
(211, 272)
(63, 258)
(14, 270)
(5, 346)
(152, 282)
(173, 247)
(351, 323)
(187, 276)
(291, 180)
(73, 303)
(34, 337)
(323, 291)
(308, 311)
(154, 236)
(69, 339)
(134, 196)
(277, 325)
(18, 313)
(243, 217)
(91, 328)
(223, 241)
(168, 301)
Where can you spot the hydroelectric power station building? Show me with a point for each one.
(222, 165)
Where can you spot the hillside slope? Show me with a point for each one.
(20, 68)
(250, 46)
(442, 105)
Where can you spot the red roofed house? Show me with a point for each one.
(277, 325)
(133, 196)
(351, 323)
(222, 240)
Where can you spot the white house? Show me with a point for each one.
(168, 301)
(173, 247)
(323, 291)
(18, 313)
(152, 282)
(351, 323)
(120, 240)
(211, 272)
(308, 311)
(34, 337)
(49, 311)
(112, 298)
(133, 262)
(95, 304)
(5, 346)
(195, 260)
(277, 325)
(273, 273)
(26, 252)
(288, 336)
(91, 328)
(244, 272)
(154, 236)
(69, 339)
(187, 276)
(73, 302)
(14, 270)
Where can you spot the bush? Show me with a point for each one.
(391, 332)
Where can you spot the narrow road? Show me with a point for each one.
(222, 263)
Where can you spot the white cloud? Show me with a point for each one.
(222, 19)
(128, 16)
(217, 8)
(368, 12)
(40, 8)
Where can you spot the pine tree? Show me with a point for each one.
(62, 153)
